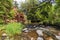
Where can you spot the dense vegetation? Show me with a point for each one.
(7, 14)
(45, 12)
(5, 10)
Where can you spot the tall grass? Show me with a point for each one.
(14, 28)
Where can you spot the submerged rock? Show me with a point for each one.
(25, 30)
(40, 38)
(39, 32)
(58, 37)
(32, 35)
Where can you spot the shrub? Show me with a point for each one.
(14, 28)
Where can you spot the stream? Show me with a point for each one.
(40, 32)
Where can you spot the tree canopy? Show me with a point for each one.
(43, 11)
(5, 9)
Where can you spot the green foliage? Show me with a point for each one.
(40, 12)
(5, 7)
(12, 13)
(44, 11)
(14, 28)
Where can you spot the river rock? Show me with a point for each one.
(25, 30)
(39, 38)
(39, 32)
(58, 37)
